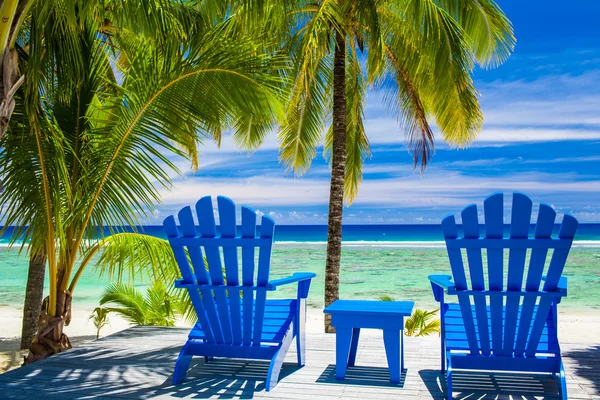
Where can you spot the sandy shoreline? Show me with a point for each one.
(574, 327)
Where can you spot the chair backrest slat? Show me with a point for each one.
(543, 230)
(248, 231)
(516, 317)
(555, 269)
(208, 229)
(460, 281)
(519, 229)
(188, 229)
(228, 226)
(494, 229)
(470, 222)
(224, 317)
(267, 229)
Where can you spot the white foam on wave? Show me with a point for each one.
(413, 244)
(381, 243)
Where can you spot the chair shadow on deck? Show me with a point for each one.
(362, 376)
(106, 373)
(585, 364)
(221, 378)
(482, 384)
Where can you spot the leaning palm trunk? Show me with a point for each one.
(336, 190)
(50, 338)
(33, 297)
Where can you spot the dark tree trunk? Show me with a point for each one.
(50, 338)
(33, 298)
(9, 83)
(338, 168)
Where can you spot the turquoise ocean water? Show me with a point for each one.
(377, 259)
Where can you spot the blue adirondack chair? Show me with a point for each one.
(235, 319)
(507, 324)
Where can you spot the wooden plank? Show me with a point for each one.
(248, 231)
(186, 272)
(555, 269)
(122, 366)
(471, 231)
(545, 223)
(494, 229)
(208, 230)
(267, 228)
(519, 229)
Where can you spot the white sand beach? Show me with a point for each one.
(579, 327)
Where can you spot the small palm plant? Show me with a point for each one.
(422, 323)
(100, 319)
(156, 308)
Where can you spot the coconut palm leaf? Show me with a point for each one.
(422, 323)
(131, 303)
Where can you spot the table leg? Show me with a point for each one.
(353, 347)
(343, 337)
(391, 341)
(401, 351)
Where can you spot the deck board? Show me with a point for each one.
(138, 363)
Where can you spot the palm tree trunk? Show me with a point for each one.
(9, 83)
(33, 297)
(338, 168)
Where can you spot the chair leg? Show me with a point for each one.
(181, 365)
(277, 360)
(449, 377)
(563, 381)
(300, 326)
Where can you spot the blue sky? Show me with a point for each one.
(541, 137)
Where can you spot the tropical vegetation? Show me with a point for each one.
(419, 53)
(156, 308)
(99, 318)
(113, 92)
(422, 323)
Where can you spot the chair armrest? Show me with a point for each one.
(182, 284)
(443, 281)
(296, 277)
(439, 284)
(563, 283)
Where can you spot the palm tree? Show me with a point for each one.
(103, 110)
(419, 52)
(99, 318)
(13, 14)
(157, 308)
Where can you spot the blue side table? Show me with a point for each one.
(349, 316)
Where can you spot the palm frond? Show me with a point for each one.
(488, 30)
(135, 256)
(126, 301)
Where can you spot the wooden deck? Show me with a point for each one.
(138, 363)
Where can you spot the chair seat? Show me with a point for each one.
(279, 314)
(456, 336)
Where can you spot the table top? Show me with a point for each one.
(371, 307)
